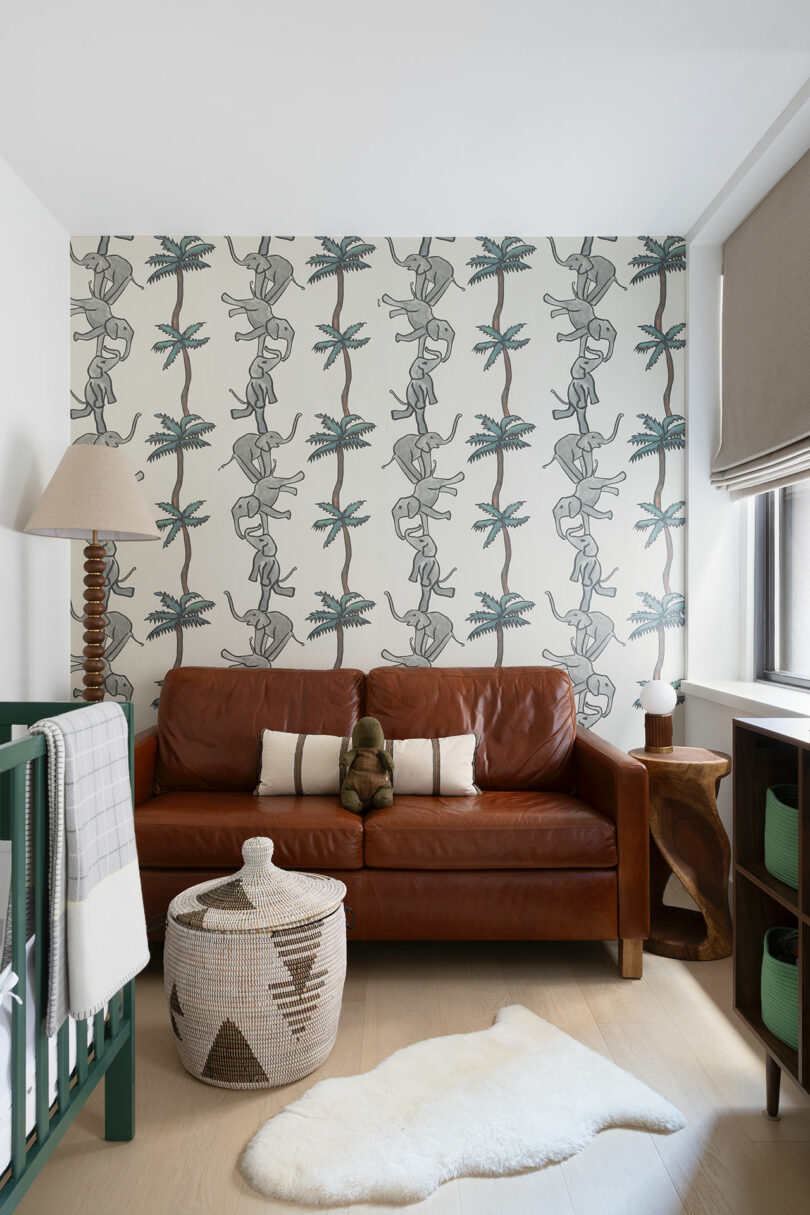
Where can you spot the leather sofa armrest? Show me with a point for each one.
(145, 759)
(617, 785)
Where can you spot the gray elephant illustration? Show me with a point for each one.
(599, 685)
(583, 501)
(423, 500)
(108, 438)
(259, 391)
(273, 626)
(252, 661)
(113, 578)
(573, 452)
(271, 266)
(582, 388)
(423, 323)
(420, 391)
(98, 389)
(425, 568)
(593, 629)
(114, 685)
(594, 273)
(433, 275)
(117, 630)
(266, 569)
(579, 668)
(112, 267)
(412, 452)
(432, 630)
(259, 315)
(598, 329)
(405, 660)
(248, 448)
(102, 322)
(588, 570)
(262, 501)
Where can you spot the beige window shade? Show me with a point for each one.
(765, 433)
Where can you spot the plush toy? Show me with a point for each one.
(366, 769)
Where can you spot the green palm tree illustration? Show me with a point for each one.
(497, 261)
(499, 343)
(497, 520)
(659, 260)
(338, 259)
(495, 437)
(183, 435)
(179, 519)
(667, 435)
(668, 612)
(337, 341)
(338, 615)
(660, 520)
(178, 615)
(179, 257)
(344, 434)
(497, 615)
(338, 518)
(660, 342)
(178, 341)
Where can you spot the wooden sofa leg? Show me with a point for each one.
(630, 959)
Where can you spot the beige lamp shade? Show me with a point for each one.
(93, 490)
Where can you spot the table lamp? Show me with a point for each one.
(93, 495)
(658, 699)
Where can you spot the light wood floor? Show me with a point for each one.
(674, 1029)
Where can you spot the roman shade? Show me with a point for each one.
(765, 432)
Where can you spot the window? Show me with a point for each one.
(783, 585)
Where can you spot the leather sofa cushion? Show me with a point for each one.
(211, 718)
(207, 830)
(491, 831)
(524, 717)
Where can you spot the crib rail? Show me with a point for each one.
(112, 1052)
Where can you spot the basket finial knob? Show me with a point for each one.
(258, 852)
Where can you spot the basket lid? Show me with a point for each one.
(259, 896)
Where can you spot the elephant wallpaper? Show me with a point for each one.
(438, 450)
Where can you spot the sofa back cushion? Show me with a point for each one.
(524, 717)
(211, 719)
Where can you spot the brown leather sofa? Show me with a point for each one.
(555, 847)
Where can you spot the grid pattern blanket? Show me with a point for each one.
(97, 926)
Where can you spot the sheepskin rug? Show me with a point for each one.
(517, 1096)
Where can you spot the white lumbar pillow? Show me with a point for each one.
(520, 1095)
(301, 764)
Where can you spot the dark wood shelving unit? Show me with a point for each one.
(770, 751)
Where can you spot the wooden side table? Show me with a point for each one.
(689, 840)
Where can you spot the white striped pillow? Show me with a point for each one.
(301, 764)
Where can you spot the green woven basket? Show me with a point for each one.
(782, 833)
(780, 995)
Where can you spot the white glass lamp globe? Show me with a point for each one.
(658, 697)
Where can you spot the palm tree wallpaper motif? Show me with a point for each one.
(109, 276)
(186, 610)
(254, 454)
(348, 609)
(580, 505)
(659, 437)
(413, 452)
(454, 469)
(508, 609)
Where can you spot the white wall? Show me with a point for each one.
(34, 376)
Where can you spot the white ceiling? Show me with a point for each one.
(423, 115)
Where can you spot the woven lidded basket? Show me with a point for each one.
(253, 969)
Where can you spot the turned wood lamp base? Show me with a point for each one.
(95, 620)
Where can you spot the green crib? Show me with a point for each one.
(111, 1054)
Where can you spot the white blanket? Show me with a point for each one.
(97, 929)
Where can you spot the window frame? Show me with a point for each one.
(766, 594)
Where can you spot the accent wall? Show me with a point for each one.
(365, 450)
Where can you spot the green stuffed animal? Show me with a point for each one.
(366, 769)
